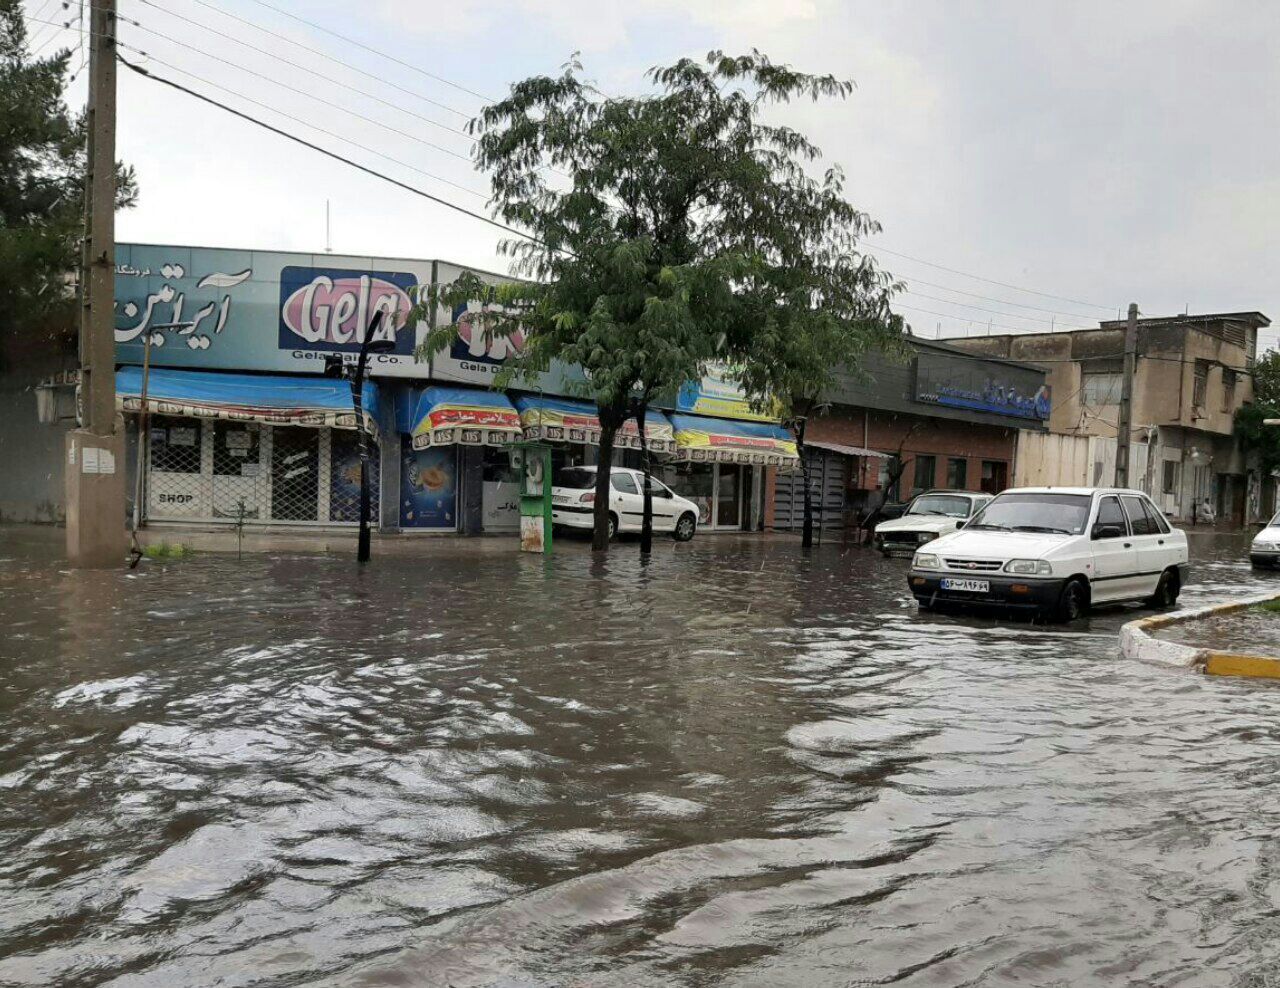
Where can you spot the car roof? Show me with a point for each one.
(1084, 491)
(946, 490)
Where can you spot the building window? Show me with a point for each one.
(1228, 389)
(1201, 384)
(995, 476)
(1172, 477)
(1100, 388)
(957, 473)
(926, 470)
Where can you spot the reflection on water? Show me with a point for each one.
(738, 766)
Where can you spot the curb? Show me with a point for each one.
(1137, 643)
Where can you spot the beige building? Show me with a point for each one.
(1192, 373)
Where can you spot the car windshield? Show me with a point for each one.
(575, 479)
(940, 504)
(1065, 513)
(1274, 522)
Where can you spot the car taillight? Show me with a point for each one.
(587, 498)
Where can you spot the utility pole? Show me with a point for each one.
(1124, 430)
(95, 450)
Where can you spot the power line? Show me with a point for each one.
(990, 298)
(300, 92)
(990, 281)
(297, 65)
(375, 51)
(299, 120)
(323, 54)
(334, 155)
(981, 308)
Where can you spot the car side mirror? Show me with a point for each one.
(1108, 531)
(961, 524)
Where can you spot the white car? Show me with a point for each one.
(929, 515)
(1265, 550)
(1055, 550)
(573, 498)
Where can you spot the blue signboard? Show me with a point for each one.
(982, 386)
(329, 308)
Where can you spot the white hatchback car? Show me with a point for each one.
(929, 515)
(1055, 550)
(1265, 550)
(573, 497)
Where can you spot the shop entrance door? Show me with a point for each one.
(729, 487)
(295, 474)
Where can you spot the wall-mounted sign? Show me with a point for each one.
(718, 394)
(982, 386)
(217, 309)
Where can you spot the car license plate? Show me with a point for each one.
(972, 586)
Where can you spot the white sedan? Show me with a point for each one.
(573, 497)
(1265, 550)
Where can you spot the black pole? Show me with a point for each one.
(362, 435)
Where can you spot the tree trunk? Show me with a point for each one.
(604, 467)
(646, 526)
(806, 532)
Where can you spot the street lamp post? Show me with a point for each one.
(368, 346)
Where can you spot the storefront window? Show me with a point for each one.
(344, 477)
(501, 495)
(926, 470)
(696, 481)
(175, 444)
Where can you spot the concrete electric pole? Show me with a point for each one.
(95, 450)
(1124, 429)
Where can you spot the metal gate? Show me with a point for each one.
(827, 478)
(216, 471)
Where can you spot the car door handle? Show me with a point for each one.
(1161, 541)
(1128, 545)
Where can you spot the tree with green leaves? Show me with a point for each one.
(42, 172)
(666, 231)
(1266, 379)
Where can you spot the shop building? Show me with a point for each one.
(223, 353)
(940, 418)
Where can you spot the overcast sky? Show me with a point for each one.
(1095, 151)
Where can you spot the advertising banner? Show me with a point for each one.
(215, 309)
(474, 357)
(428, 487)
(982, 386)
(719, 395)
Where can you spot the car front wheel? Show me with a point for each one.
(685, 527)
(1073, 603)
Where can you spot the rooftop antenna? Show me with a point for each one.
(328, 244)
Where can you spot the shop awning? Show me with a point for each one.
(701, 439)
(269, 398)
(846, 450)
(443, 416)
(570, 421)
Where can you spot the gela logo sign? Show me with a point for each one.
(328, 309)
(476, 349)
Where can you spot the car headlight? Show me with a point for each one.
(923, 560)
(1028, 567)
(1264, 545)
(923, 537)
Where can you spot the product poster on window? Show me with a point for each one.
(344, 481)
(428, 487)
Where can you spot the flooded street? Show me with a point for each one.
(739, 766)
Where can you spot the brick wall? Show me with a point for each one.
(943, 439)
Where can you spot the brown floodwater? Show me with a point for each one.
(737, 766)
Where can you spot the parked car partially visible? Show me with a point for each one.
(1264, 553)
(573, 498)
(928, 516)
